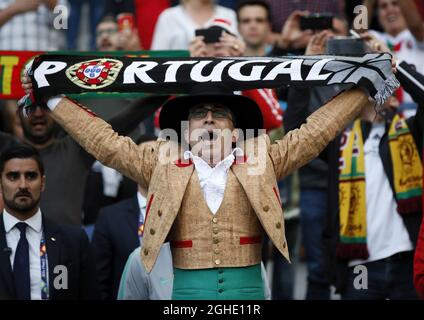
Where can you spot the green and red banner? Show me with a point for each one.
(12, 64)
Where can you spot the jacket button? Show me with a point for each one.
(215, 230)
(152, 231)
(266, 208)
(215, 220)
(278, 225)
(216, 251)
(146, 252)
(216, 240)
(160, 213)
(217, 261)
(284, 244)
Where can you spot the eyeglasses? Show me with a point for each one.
(108, 31)
(217, 113)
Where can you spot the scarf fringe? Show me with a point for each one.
(390, 85)
(26, 103)
(409, 206)
(349, 251)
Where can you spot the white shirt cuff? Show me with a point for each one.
(54, 101)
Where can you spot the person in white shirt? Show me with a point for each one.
(176, 26)
(28, 25)
(403, 33)
(39, 260)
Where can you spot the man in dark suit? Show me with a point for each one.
(38, 258)
(116, 234)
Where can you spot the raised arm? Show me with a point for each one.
(98, 138)
(17, 7)
(300, 146)
(413, 18)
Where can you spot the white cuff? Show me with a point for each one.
(54, 101)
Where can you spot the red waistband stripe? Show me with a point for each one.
(182, 244)
(250, 240)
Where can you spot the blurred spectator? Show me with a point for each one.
(10, 118)
(147, 13)
(176, 26)
(383, 243)
(107, 34)
(254, 26)
(137, 284)
(253, 19)
(6, 140)
(282, 9)
(313, 179)
(105, 186)
(293, 40)
(405, 37)
(96, 9)
(232, 4)
(117, 233)
(420, 7)
(110, 38)
(28, 25)
(70, 176)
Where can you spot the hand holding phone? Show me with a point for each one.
(316, 21)
(210, 35)
(126, 22)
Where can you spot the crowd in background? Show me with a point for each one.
(111, 207)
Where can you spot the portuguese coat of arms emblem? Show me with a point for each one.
(94, 74)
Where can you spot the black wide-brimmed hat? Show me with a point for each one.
(247, 113)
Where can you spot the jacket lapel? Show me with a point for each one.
(251, 183)
(260, 198)
(5, 267)
(53, 244)
(178, 177)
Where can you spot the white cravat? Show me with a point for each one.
(213, 180)
(34, 233)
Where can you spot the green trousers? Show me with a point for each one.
(242, 283)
